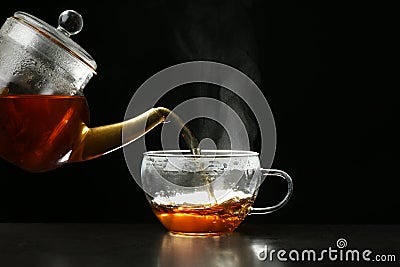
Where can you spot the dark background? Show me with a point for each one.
(324, 69)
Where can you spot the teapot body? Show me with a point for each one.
(43, 111)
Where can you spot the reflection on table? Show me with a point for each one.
(59, 245)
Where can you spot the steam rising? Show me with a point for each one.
(219, 31)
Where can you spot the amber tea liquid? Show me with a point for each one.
(205, 220)
(38, 131)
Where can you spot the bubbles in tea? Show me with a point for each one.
(215, 219)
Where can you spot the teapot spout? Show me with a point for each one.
(101, 140)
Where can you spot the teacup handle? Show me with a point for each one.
(284, 175)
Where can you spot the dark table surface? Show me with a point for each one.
(95, 244)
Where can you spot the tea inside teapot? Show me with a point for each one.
(39, 132)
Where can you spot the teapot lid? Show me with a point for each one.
(70, 22)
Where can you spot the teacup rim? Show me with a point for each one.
(214, 153)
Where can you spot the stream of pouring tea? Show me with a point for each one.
(206, 179)
(191, 140)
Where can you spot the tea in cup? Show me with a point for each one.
(208, 194)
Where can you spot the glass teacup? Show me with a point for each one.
(208, 194)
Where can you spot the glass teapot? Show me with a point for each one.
(44, 116)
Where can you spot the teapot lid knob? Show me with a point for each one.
(70, 22)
